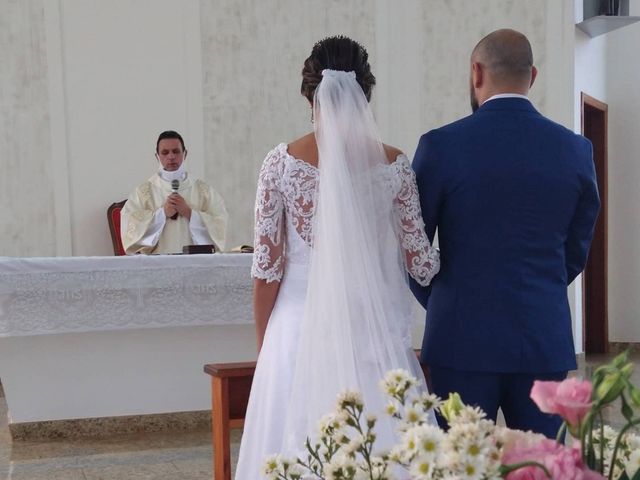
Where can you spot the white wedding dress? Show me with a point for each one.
(284, 239)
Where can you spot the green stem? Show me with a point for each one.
(561, 432)
(629, 425)
(506, 469)
(601, 442)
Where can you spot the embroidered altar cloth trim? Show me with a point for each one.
(41, 296)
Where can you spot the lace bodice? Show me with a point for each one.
(284, 216)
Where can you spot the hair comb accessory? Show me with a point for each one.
(327, 72)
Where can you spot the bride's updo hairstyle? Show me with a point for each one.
(337, 53)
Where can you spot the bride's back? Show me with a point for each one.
(306, 149)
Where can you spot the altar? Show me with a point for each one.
(87, 337)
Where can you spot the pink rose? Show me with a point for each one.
(571, 398)
(563, 463)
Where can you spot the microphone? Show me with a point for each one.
(175, 185)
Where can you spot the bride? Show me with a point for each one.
(338, 226)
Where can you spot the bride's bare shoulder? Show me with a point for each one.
(304, 148)
(392, 153)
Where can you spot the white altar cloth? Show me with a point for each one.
(82, 294)
(110, 336)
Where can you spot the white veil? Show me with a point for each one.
(356, 321)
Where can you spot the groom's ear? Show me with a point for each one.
(534, 74)
(477, 74)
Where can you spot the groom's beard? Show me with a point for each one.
(474, 100)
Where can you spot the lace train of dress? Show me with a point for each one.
(284, 212)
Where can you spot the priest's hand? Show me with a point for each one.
(169, 207)
(180, 205)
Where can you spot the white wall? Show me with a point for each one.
(27, 220)
(604, 71)
(90, 84)
(590, 77)
(623, 98)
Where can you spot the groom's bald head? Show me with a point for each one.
(506, 54)
(502, 62)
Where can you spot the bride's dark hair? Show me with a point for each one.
(337, 53)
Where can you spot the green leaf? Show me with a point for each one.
(627, 411)
(634, 392)
(621, 359)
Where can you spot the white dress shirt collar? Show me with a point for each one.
(505, 95)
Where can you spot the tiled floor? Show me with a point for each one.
(175, 456)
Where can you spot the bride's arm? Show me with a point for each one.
(422, 259)
(264, 298)
(268, 254)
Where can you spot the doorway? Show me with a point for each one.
(595, 325)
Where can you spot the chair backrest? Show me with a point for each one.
(113, 217)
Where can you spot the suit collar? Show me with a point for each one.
(508, 103)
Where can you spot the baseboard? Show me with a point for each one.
(107, 426)
(618, 347)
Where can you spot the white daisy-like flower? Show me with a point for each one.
(633, 464)
(429, 401)
(330, 423)
(271, 464)
(469, 414)
(411, 441)
(472, 468)
(354, 444)
(422, 468)
(397, 382)
(633, 441)
(391, 409)
(430, 440)
(349, 398)
(413, 415)
(340, 466)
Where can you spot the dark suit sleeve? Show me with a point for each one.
(583, 222)
(429, 188)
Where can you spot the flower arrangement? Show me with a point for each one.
(473, 447)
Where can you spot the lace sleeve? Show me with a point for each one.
(268, 255)
(422, 259)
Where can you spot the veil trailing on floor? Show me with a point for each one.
(358, 308)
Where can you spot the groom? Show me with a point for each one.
(514, 199)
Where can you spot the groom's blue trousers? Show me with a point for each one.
(492, 391)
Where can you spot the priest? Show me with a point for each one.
(171, 209)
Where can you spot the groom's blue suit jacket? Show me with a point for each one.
(514, 199)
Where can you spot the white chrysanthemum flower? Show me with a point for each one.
(472, 468)
(397, 382)
(422, 468)
(427, 438)
(397, 455)
(633, 464)
(633, 441)
(413, 415)
(378, 467)
(354, 444)
(391, 409)
(340, 466)
(329, 423)
(430, 440)
(469, 414)
(410, 441)
(349, 398)
(271, 466)
(471, 448)
(429, 401)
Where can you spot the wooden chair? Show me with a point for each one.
(113, 217)
(230, 388)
